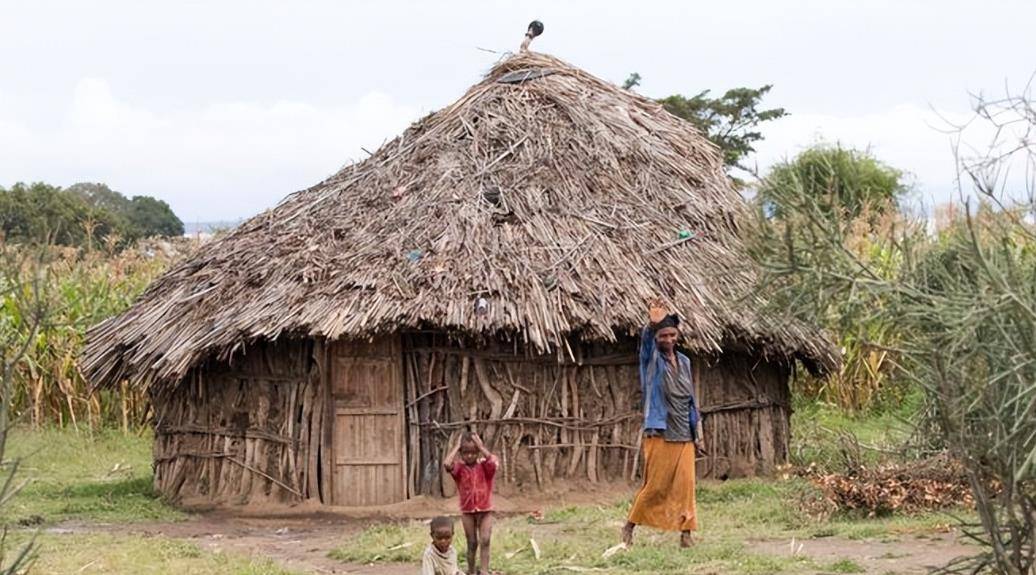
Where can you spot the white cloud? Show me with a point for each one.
(12, 136)
(906, 137)
(231, 159)
(222, 160)
(222, 108)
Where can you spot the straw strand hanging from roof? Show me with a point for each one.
(547, 196)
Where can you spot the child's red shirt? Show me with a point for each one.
(474, 484)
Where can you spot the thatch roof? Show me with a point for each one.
(562, 200)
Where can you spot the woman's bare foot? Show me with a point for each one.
(685, 539)
(627, 533)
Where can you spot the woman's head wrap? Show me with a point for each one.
(671, 320)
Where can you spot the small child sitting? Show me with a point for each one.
(473, 472)
(440, 558)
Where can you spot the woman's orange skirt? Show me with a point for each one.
(666, 500)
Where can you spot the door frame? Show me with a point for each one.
(330, 412)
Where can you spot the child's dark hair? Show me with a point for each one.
(467, 437)
(441, 522)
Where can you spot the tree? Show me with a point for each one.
(83, 214)
(729, 121)
(152, 217)
(142, 216)
(39, 212)
(101, 197)
(859, 192)
(837, 178)
(112, 206)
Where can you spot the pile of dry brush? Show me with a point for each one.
(937, 482)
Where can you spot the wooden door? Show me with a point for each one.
(367, 394)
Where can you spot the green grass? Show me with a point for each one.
(387, 543)
(845, 566)
(817, 428)
(98, 476)
(132, 555)
(102, 476)
(580, 548)
(732, 514)
(894, 526)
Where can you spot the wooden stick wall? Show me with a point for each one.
(245, 432)
(546, 421)
(579, 418)
(258, 429)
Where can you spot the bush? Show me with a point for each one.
(860, 194)
(961, 312)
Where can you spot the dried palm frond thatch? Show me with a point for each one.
(561, 200)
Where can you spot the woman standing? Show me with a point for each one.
(672, 432)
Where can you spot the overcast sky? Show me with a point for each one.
(222, 108)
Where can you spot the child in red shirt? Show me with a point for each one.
(473, 472)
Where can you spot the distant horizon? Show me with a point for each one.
(912, 203)
(913, 198)
(194, 228)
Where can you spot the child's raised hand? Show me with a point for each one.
(478, 441)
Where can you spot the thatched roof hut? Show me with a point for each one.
(517, 232)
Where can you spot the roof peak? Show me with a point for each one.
(534, 30)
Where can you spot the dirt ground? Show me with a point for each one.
(297, 537)
(908, 555)
(301, 539)
(300, 536)
(295, 543)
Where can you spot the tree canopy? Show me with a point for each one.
(153, 217)
(81, 213)
(729, 121)
(835, 178)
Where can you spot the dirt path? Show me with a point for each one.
(295, 543)
(906, 554)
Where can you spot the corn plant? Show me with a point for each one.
(27, 305)
(87, 286)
